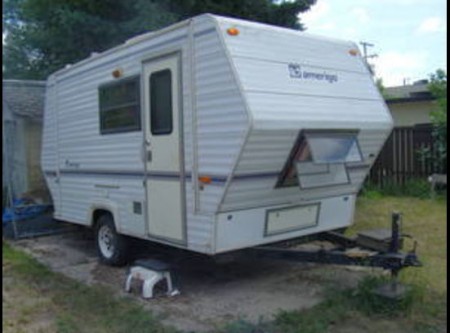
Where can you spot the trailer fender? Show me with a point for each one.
(104, 205)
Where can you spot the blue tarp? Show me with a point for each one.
(22, 209)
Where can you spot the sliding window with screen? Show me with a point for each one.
(119, 106)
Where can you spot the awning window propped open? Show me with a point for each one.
(333, 148)
(319, 158)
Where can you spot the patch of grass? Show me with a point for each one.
(418, 188)
(242, 326)
(366, 301)
(343, 305)
(425, 220)
(65, 323)
(339, 308)
(23, 265)
(74, 306)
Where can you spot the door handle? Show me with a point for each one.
(143, 152)
(146, 155)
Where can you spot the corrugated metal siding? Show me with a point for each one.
(281, 106)
(80, 142)
(280, 45)
(267, 75)
(200, 226)
(296, 111)
(221, 126)
(221, 116)
(266, 153)
(79, 193)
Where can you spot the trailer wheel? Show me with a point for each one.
(112, 248)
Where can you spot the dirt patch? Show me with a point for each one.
(211, 293)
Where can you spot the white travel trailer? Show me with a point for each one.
(212, 135)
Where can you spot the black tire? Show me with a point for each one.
(112, 248)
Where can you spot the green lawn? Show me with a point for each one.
(426, 220)
(38, 300)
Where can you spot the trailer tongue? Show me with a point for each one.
(372, 248)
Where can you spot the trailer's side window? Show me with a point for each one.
(319, 158)
(161, 112)
(120, 106)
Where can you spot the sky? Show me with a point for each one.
(409, 36)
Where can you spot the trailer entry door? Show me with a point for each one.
(162, 149)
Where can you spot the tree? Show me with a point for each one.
(45, 35)
(438, 87)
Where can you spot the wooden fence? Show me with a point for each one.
(400, 159)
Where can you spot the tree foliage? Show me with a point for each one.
(44, 35)
(438, 87)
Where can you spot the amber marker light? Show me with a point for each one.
(353, 52)
(117, 73)
(205, 179)
(233, 31)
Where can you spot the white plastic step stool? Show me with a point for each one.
(151, 271)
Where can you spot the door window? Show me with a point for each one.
(161, 111)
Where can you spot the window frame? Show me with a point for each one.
(310, 136)
(286, 179)
(137, 103)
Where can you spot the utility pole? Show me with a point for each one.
(366, 56)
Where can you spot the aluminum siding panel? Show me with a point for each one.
(221, 117)
(81, 147)
(282, 106)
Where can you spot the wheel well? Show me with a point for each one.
(97, 214)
